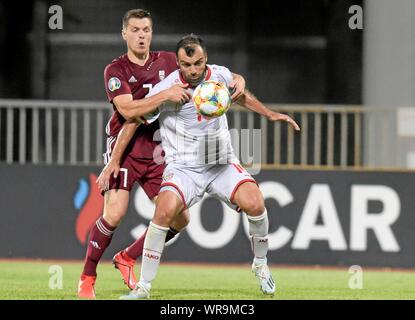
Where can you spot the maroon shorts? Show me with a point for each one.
(146, 172)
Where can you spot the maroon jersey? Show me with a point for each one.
(125, 77)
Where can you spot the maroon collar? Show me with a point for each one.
(150, 60)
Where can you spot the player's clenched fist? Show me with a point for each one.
(178, 93)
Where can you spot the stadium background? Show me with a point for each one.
(350, 203)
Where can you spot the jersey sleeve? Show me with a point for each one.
(115, 82)
(161, 86)
(224, 74)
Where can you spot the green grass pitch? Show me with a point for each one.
(31, 280)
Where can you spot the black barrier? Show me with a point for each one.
(316, 217)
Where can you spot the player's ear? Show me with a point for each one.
(206, 58)
(123, 34)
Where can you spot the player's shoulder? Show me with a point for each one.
(218, 68)
(165, 55)
(220, 73)
(166, 59)
(118, 63)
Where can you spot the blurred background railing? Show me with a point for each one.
(73, 132)
(52, 132)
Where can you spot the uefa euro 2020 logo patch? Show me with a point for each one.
(114, 83)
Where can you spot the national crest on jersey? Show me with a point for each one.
(162, 75)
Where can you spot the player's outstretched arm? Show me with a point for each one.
(249, 101)
(113, 166)
(134, 109)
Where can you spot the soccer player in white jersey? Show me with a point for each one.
(192, 170)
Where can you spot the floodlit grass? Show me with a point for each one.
(32, 280)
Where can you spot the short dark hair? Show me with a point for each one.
(188, 43)
(135, 13)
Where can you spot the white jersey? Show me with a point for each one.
(188, 138)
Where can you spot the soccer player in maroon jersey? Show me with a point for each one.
(128, 79)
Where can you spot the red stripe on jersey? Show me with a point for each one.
(208, 74)
(237, 168)
(181, 78)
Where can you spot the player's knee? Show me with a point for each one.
(253, 206)
(113, 215)
(113, 220)
(115, 207)
(163, 217)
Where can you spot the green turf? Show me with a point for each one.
(30, 280)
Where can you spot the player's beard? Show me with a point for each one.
(196, 82)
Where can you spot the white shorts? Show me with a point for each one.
(191, 182)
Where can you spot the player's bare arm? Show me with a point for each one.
(113, 166)
(176, 94)
(249, 101)
(132, 109)
(238, 86)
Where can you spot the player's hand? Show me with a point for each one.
(178, 93)
(237, 87)
(103, 180)
(276, 116)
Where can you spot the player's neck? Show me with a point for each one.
(139, 59)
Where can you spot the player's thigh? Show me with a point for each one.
(130, 172)
(151, 180)
(115, 205)
(180, 180)
(238, 189)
